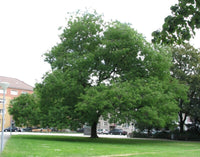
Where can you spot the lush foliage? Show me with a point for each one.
(177, 29)
(73, 60)
(181, 25)
(186, 60)
(101, 68)
(151, 102)
(25, 110)
(58, 94)
(50, 146)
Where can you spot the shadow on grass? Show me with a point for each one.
(89, 140)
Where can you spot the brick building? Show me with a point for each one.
(15, 88)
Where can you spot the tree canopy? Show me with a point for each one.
(176, 31)
(107, 69)
(181, 25)
(185, 68)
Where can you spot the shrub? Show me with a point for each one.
(141, 135)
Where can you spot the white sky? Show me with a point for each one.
(29, 28)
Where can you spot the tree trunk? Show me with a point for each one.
(182, 118)
(181, 125)
(94, 130)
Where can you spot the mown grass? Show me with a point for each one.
(64, 146)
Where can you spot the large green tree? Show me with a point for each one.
(25, 110)
(181, 25)
(97, 67)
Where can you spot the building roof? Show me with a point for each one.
(15, 83)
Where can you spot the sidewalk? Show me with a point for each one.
(6, 137)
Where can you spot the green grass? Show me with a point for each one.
(64, 146)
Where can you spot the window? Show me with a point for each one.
(24, 92)
(126, 125)
(14, 92)
(1, 111)
(1, 91)
(105, 123)
(1, 101)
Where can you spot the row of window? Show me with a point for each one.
(105, 123)
(12, 92)
(1, 101)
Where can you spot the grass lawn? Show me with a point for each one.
(64, 146)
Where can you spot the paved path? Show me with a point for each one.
(66, 134)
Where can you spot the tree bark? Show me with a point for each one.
(181, 125)
(94, 130)
(182, 121)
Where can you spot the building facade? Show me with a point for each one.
(104, 124)
(15, 89)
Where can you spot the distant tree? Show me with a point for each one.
(97, 67)
(194, 111)
(177, 29)
(25, 110)
(181, 25)
(185, 68)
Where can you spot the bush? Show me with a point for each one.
(187, 135)
(141, 135)
(191, 135)
(176, 135)
(163, 134)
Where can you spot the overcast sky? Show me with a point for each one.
(29, 28)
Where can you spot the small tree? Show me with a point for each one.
(25, 110)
